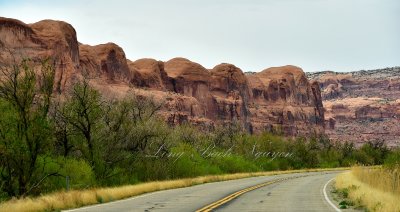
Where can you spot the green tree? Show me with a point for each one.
(25, 98)
(82, 111)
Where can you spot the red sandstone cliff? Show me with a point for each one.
(283, 97)
(279, 98)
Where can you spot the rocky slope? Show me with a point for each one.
(362, 106)
(276, 99)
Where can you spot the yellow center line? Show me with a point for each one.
(230, 197)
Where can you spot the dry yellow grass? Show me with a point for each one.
(78, 198)
(384, 179)
(377, 189)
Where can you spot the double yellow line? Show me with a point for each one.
(230, 197)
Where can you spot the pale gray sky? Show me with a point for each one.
(338, 35)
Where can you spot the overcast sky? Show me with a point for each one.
(317, 35)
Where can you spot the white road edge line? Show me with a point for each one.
(327, 199)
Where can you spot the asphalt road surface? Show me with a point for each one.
(288, 192)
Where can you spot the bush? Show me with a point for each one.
(234, 164)
(79, 172)
(392, 161)
(191, 163)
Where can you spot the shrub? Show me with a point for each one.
(392, 161)
(191, 163)
(234, 164)
(79, 172)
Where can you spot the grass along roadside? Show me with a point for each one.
(370, 188)
(78, 198)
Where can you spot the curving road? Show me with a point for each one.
(288, 192)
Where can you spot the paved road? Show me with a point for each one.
(300, 194)
(303, 192)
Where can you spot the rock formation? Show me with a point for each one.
(47, 38)
(276, 99)
(362, 106)
(283, 98)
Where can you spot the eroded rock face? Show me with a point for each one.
(106, 61)
(362, 106)
(283, 99)
(230, 91)
(276, 99)
(44, 39)
(16, 34)
(191, 79)
(150, 73)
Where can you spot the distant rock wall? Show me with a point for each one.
(362, 106)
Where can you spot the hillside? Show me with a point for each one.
(275, 99)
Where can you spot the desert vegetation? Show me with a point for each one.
(82, 140)
(377, 189)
